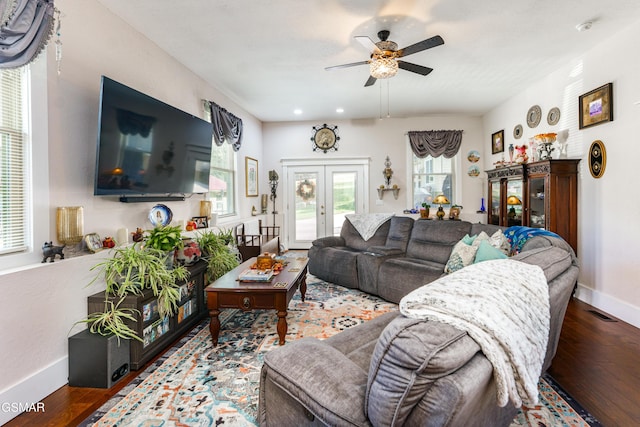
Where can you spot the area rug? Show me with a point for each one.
(195, 384)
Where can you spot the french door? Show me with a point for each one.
(320, 195)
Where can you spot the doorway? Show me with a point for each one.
(320, 195)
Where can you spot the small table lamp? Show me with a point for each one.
(513, 201)
(440, 199)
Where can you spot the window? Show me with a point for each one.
(222, 178)
(13, 161)
(431, 177)
(222, 175)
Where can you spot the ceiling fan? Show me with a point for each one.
(384, 62)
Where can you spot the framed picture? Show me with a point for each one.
(93, 241)
(201, 221)
(497, 142)
(596, 106)
(251, 176)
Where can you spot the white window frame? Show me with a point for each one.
(456, 192)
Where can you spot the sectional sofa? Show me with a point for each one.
(397, 370)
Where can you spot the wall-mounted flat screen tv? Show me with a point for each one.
(147, 147)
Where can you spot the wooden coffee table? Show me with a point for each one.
(228, 292)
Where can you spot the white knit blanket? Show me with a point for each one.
(368, 224)
(504, 306)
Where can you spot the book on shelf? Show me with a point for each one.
(252, 275)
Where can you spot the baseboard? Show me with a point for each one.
(610, 305)
(27, 395)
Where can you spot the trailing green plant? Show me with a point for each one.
(217, 251)
(131, 270)
(164, 237)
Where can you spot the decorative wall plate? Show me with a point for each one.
(473, 171)
(473, 156)
(554, 116)
(597, 159)
(160, 215)
(533, 116)
(517, 132)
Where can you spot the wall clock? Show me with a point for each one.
(325, 138)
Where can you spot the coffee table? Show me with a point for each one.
(229, 292)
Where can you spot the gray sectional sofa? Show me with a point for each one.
(430, 373)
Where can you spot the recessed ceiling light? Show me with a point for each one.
(584, 26)
(297, 111)
(339, 110)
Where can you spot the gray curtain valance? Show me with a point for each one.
(435, 142)
(25, 29)
(226, 126)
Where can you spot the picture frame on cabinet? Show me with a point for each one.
(497, 142)
(596, 107)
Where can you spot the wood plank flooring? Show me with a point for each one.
(597, 362)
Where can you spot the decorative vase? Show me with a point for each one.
(482, 207)
(511, 150)
(189, 254)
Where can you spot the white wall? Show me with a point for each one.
(608, 207)
(41, 302)
(377, 139)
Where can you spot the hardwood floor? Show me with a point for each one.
(597, 362)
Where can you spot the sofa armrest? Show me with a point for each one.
(328, 241)
(315, 380)
(383, 251)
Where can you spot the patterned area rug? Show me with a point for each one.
(195, 384)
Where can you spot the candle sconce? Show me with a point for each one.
(388, 173)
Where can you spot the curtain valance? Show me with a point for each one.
(225, 126)
(25, 29)
(435, 142)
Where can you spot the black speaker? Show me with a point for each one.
(97, 361)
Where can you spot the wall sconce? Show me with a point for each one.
(70, 225)
(273, 182)
(440, 199)
(387, 172)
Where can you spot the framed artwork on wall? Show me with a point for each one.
(596, 107)
(497, 142)
(251, 176)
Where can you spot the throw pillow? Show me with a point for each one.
(461, 256)
(499, 241)
(486, 252)
(469, 239)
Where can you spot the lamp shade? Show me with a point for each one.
(383, 68)
(441, 199)
(513, 200)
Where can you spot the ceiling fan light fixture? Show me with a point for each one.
(383, 68)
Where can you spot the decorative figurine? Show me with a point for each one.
(50, 251)
(138, 235)
(108, 242)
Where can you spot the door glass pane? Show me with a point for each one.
(495, 203)
(536, 203)
(344, 198)
(305, 206)
(514, 202)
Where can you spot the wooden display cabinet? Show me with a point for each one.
(552, 197)
(541, 194)
(156, 332)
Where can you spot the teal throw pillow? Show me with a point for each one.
(487, 252)
(469, 239)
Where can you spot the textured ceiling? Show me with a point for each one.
(269, 56)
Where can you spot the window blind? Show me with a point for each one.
(13, 165)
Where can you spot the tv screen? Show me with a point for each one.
(147, 147)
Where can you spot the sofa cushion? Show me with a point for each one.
(399, 276)
(433, 240)
(409, 357)
(336, 265)
(354, 240)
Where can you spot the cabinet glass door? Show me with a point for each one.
(494, 207)
(514, 202)
(536, 203)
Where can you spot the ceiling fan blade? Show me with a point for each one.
(414, 68)
(420, 46)
(353, 64)
(370, 81)
(368, 44)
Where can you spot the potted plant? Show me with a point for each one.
(131, 270)
(165, 238)
(424, 211)
(217, 251)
